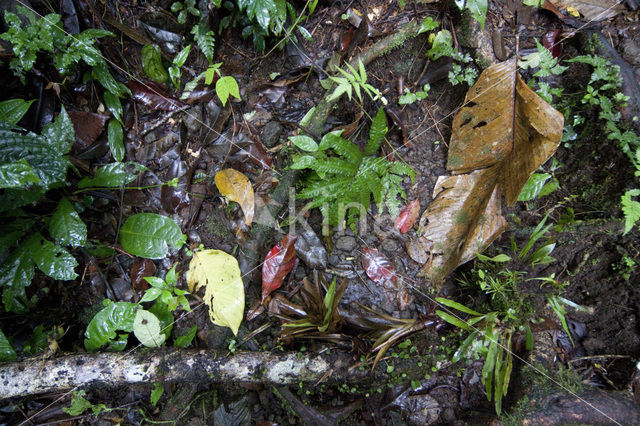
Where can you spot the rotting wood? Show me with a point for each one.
(35, 376)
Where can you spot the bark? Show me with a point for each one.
(34, 376)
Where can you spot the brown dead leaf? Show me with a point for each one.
(590, 10)
(504, 133)
(235, 186)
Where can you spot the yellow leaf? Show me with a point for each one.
(219, 273)
(236, 187)
(573, 11)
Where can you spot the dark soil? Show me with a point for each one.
(598, 263)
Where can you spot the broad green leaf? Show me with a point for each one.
(442, 45)
(150, 295)
(156, 393)
(150, 235)
(60, 133)
(533, 186)
(79, 404)
(259, 10)
(12, 110)
(6, 350)
(53, 260)
(453, 320)
(152, 63)
(377, 132)
(182, 56)
(114, 105)
(114, 317)
(115, 138)
(225, 87)
(478, 9)
(113, 175)
(458, 306)
(16, 274)
(146, 328)
(13, 231)
(186, 339)
(303, 162)
(219, 273)
(428, 25)
(501, 258)
(305, 143)
(66, 227)
(17, 174)
(45, 157)
(235, 186)
(164, 315)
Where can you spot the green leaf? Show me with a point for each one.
(501, 258)
(462, 350)
(226, 86)
(115, 137)
(150, 235)
(261, 11)
(53, 260)
(453, 320)
(219, 273)
(17, 174)
(156, 393)
(428, 25)
(489, 364)
(182, 56)
(305, 143)
(6, 350)
(146, 328)
(303, 162)
(533, 186)
(631, 209)
(205, 39)
(16, 274)
(165, 316)
(78, 404)
(457, 306)
(150, 295)
(114, 105)
(113, 175)
(186, 339)
(152, 63)
(66, 227)
(478, 9)
(114, 317)
(12, 110)
(376, 133)
(442, 45)
(341, 146)
(60, 133)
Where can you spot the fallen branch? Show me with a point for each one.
(34, 376)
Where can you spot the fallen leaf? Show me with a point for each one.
(235, 186)
(551, 40)
(590, 10)
(408, 216)
(88, 126)
(153, 95)
(502, 134)
(378, 267)
(219, 273)
(141, 268)
(277, 264)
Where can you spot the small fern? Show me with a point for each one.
(344, 178)
(205, 39)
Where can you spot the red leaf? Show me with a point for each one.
(278, 263)
(88, 126)
(408, 216)
(378, 267)
(551, 40)
(153, 95)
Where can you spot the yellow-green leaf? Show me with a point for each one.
(236, 187)
(219, 273)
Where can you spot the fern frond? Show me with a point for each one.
(342, 147)
(333, 187)
(400, 168)
(205, 39)
(376, 133)
(335, 166)
(630, 208)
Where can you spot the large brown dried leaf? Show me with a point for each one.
(503, 134)
(590, 10)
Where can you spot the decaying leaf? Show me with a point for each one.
(378, 267)
(277, 264)
(504, 133)
(236, 187)
(219, 273)
(408, 216)
(589, 10)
